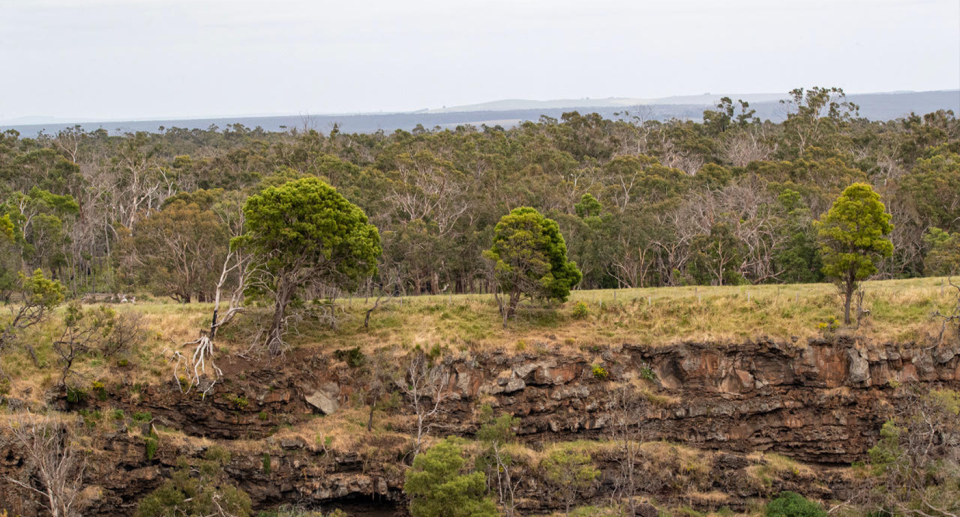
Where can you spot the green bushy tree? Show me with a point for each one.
(716, 257)
(853, 238)
(943, 258)
(301, 233)
(530, 259)
(570, 473)
(439, 487)
(38, 297)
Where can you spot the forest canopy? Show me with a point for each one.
(728, 200)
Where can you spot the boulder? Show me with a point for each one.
(859, 367)
(323, 401)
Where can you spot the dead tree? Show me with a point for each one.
(628, 409)
(235, 265)
(387, 292)
(57, 467)
(426, 387)
(951, 319)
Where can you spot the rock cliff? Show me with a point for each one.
(821, 403)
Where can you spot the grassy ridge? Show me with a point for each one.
(901, 311)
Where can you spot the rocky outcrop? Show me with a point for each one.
(820, 402)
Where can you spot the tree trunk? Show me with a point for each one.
(514, 301)
(848, 297)
(275, 337)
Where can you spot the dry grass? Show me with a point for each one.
(901, 312)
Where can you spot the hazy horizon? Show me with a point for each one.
(98, 60)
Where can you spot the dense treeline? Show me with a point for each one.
(728, 200)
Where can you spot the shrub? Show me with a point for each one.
(437, 487)
(353, 357)
(647, 373)
(789, 504)
(142, 417)
(239, 400)
(200, 489)
(569, 473)
(152, 443)
(581, 311)
(599, 372)
(100, 389)
(266, 463)
(76, 395)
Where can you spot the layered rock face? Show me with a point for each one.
(821, 402)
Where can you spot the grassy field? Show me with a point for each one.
(901, 311)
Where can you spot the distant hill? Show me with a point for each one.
(874, 106)
(706, 99)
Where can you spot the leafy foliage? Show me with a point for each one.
(305, 233)
(790, 504)
(438, 487)
(853, 238)
(570, 473)
(530, 258)
(197, 490)
(640, 202)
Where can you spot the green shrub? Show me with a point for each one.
(647, 373)
(142, 417)
(239, 400)
(569, 473)
(76, 395)
(789, 504)
(100, 389)
(198, 489)
(600, 373)
(437, 487)
(353, 357)
(266, 463)
(152, 443)
(581, 311)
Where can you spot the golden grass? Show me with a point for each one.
(901, 312)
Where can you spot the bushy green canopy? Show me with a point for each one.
(853, 234)
(197, 491)
(305, 227)
(437, 488)
(790, 504)
(530, 255)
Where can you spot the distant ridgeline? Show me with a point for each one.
(874, 106)
(728, 198)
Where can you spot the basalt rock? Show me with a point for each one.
(821, 402)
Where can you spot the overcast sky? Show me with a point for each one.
(138, 59)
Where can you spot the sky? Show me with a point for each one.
(84, 60)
